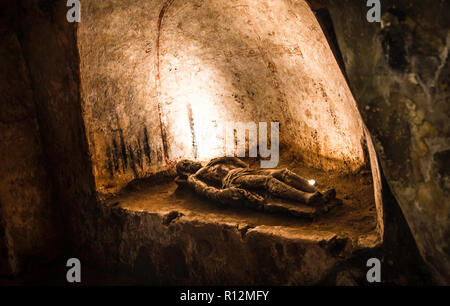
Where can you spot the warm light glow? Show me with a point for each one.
(199, 133)
(312, 182)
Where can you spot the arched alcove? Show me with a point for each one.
(160, 81)
(165, 80)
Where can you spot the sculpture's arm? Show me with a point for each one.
(199, 174)
(233, 160)
(225, 196)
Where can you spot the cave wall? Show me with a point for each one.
(54, 71)
(160, 79)
(404, 103)
(26, 210)
(46, 177)
(398, 71)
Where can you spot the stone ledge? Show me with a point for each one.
(205, 245)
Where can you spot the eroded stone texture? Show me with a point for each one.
(4, 264)
(54, 73)
(26, 216)
(399, 73)
(160, 79)
(45, 178)
(144, 241)
(191, 250)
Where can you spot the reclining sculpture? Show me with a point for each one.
(229, 180)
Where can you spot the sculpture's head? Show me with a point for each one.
(187, 167)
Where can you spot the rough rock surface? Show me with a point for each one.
(45, 175)
(171, 248)
(54, 73)
(26, 215)
(400, 83)
(399, 73)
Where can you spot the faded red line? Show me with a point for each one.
(165, 144)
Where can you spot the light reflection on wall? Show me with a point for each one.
(192, 108)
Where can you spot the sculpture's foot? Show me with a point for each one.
(329, 195)
(181, 181)
(318, 198)
(315, 198)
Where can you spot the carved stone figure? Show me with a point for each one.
(228, 180)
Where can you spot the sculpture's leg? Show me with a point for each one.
(294, 180)
(225, 196)
(278, 188)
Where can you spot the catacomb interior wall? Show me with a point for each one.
(46, 177)
(26, 215)
(414, 164)
(399, 73)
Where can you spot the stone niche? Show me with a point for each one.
(161, 79)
